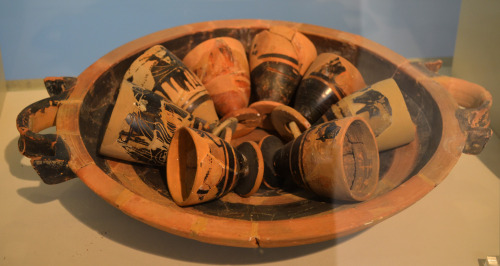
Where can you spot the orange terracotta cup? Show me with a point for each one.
(383, 106)
(335, 160)
(265, 108)
(278, 58)
(159, 70)
(222, 66)
(329, 79)
(142, 125)
(202, 167)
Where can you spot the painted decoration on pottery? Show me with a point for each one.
(160, 71)
(202, 167)
(335, 160)
(142, 125)
(222, 66)
(278, 58)
(329, 79)
(383, 106)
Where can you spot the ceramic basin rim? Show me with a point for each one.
(262, 233)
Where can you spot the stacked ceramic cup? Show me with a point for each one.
(229, 118)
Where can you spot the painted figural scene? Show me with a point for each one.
(170, 100)
(252, 125)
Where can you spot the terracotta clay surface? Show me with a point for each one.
(279, 57)
(161, 71)
(327, 80)
(265, 108)
(248, 120)
(222, 66)
(269, 218)
(337, 160)
(202, 167)
(142, 126)
(288, 122)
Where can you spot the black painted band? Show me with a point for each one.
(281, 56)
(197, 102)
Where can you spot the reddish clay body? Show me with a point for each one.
(279, 57)
(336, 160)
(161, 71)
(202, 167)
(222, 66)
(79, 109)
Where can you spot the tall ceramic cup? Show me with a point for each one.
(202, 167)
(335, 160)
(278, 58)
(159, 70)
(383, 106)
(142, 124)
(329, 79)
(222, 66)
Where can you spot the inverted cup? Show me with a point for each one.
(335, 160)
(202, 167)
(384, 108)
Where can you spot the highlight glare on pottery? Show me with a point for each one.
(329, 79)
(278, 58)
(202, 167)
(142, 125)
(159, 70)
(222, 66)
(383, 107)
(335, 160)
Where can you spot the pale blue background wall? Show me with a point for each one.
(63, 37)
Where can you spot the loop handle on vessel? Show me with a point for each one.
(48, 153)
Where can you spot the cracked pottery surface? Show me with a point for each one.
(271, 218)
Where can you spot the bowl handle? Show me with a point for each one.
(48, 153)
(473, 114)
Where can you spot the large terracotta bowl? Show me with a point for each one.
(79, 108)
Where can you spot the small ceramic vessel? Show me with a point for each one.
(329, 79)
(384, 108)
(288, 122)
(203, 167)
(335, 160)
(159, 70)
(222, 66)
(142, 125)
(278, 58)
(265, 108)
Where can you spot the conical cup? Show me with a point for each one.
(278, 59)
(329, 79)
(142, 124)
(159, 70)
(202, 167)
(335, 160)
(384, 108)
(222, 66)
